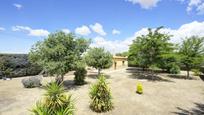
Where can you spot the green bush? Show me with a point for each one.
(18, 65)
(100, 94)
(55, 102)
(139, 88)
(174, 69)
(4, 67)
(202, 69)
(196, 72)
(80, 74)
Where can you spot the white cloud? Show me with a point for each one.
(192, 5)
(98, 28)
(30, 31)
(2, 29)
(114, 32)
(112, 46)
(66, 30)
(18, 6)
(185, 30)
(195, 5)
(200, 9)
(83, 30)
(146, 4)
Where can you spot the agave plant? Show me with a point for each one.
(39, 109)
(101, 99)
(55, 102)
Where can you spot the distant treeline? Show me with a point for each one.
(16, 65)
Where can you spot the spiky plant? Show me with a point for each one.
(100, 94)
(55, 102)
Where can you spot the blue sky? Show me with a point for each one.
(111, 24)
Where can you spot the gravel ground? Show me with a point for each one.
(161, 97)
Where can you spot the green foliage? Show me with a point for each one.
(154, 67)
(139, 88)
(201, 69)
(99, 58)
(58, 53)
(5, 67)
(196, 72)
(15, 65)
(174, 69)
(148, 49)
(80, 73)
(31, 82)
(169, 61)
(100, 94)
(123, 54)
(192, 51)
(55, 102)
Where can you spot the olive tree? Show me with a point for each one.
(58, 53)
(99, 59)
(192, 52)
(147, 50)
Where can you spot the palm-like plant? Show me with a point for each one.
(101, 99)
(55, 102)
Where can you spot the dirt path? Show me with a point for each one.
(160, 97)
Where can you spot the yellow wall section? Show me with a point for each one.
(119, 61)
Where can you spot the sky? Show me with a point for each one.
(111, 24)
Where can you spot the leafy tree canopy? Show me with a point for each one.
(58, 53)
(99, 58)
(148, 49)
(192, 52)
(124, 54)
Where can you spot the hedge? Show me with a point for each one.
(19, 65)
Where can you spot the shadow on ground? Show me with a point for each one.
(177, 76)
(149, 77)
(138, 73)
(198, 110)
(95, 76)
(69, 84)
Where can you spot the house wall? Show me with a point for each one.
(119, 62)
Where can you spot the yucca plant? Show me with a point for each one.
(100, 94)
(55, 102)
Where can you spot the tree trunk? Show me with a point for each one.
(152, 74)
(143, 69)
(188, 74)
(62, 78)
(59, 79)
(99, 71)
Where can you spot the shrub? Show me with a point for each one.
(202, 69)
(196, 72)
(154, 67)
(174, 69)
(139, 88)
(34, 81)
(4, 67)
(18, 64)
(100, 94)
(80, 74)
(55, 102)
